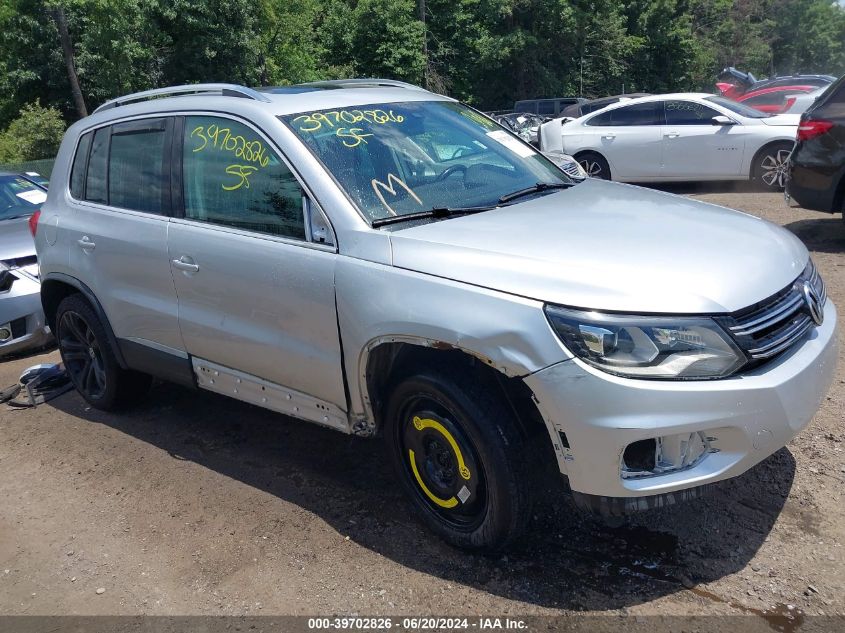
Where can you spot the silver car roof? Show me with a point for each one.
(278, 101)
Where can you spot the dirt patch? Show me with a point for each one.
(195, 504)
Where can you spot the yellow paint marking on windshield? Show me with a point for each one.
(428, 423)
(316, 121)
(478, 118)
(392, 181)
(355, 134)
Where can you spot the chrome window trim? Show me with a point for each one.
(223, 228)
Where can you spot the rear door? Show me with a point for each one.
(117, 230)
(256, 294)
(631, 140)
(695, 148)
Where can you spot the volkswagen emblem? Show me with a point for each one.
(814, 302)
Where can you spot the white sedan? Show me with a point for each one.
(677, 137)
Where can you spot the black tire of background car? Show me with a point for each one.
(478, 410)
(594, 164)
(768, 159)
(122, 386)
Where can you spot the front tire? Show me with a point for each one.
(458, 452)
(90, 360)
(770, 166)
(595, 165)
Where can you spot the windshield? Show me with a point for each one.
(402, 158)
(19, 196)
(738, 108)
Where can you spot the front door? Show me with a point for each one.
(255, 295)
(695, 148)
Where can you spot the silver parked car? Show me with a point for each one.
(22, 324)
(379, 259)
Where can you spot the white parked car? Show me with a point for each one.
(677, 137)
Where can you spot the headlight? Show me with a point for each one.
(648, 347)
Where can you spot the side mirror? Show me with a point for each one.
(722, 120)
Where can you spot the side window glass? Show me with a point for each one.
(95, 182)
(689, 113)
(546, 107)
(231, 177)
(637, 114)
(77, 172)
(770, 98)
(137, 178)
(600, 119)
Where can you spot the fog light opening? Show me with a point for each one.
(640, 456)
(664, 455)
(5, 333)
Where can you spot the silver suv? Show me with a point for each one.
(379, 259)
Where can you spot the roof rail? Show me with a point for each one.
(371, 81)
(225, 90)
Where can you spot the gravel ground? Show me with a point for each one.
(196, 504)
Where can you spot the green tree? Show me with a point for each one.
(36, 133)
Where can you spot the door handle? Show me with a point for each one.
(672, 135)
(609, 137)
(185, 264)
(86, 244)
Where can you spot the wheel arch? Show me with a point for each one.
(56, 286)
(585, 152)
(778, 141)
(387, 358)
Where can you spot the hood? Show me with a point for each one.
(782, 119)
(608, 246)
(15, 239)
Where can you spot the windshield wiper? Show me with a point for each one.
(540, 186)
(436, 212)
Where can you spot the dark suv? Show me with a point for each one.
(817, 164)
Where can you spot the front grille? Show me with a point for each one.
(771, 327)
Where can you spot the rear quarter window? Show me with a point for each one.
(95, 180)
(77, 173)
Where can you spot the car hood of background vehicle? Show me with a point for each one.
(607, 246)
(15, 239)
(782, 119)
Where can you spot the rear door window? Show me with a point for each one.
(139, 177)
(650, 113)
(231, 177)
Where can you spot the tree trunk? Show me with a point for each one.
(60, 19)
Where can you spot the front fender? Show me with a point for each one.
(379, 303)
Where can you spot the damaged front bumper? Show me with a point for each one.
(709, 430)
